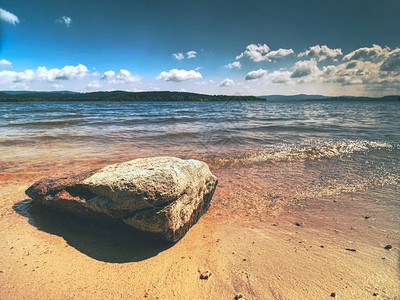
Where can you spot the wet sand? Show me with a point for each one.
(248, 240)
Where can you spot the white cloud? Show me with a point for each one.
(178, 56)
(321, 52)
(124, 76)
(392, 61)
(8, 17)
(227, 82)
(304, 68)
(279, 76)
(108, 75)
(369, 66)
(191, 54)
(7, 77)
(44, 74)
(65, 20)
(366, 53)
(260, 52)
(71, 72)
(235, 64)
(127, 77)
(359, 72)
(178, 75)
(278, 53)
(256, 74)
(5, 63)
(254, 52)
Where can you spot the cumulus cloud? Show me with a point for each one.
(5, 63)
(279, 76)
(392, 61)
(235, 64)
(178, 56)
(321, 52)
(108, 75)
(226, 82)
(256, 74)
(65, 20)
(255, 52)
(124, 76)
(44, 74)
(374, 65)
(365, 72)
(278, 53)
(8, 17)
(127, 77)
(304, 68)
(178, 75)
(16, 77)
(260, 52)
(191, 54)
(71, 72)
(366, 53)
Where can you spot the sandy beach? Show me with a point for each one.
(295, 250)
(293, 106)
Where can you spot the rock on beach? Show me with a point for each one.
(162, 196)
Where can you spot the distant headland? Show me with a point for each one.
(115, 96)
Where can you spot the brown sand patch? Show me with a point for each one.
(247, 250)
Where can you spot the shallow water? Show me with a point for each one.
(263, 152)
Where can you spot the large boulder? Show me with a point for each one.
(163, 196)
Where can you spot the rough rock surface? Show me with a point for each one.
(164, 196)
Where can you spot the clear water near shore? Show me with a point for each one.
(287, 150)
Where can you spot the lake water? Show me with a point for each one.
(263, 152)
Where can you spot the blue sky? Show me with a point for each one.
(329, 47)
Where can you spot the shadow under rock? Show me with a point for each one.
(112, 243)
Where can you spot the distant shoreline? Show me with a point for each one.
(120, 96)
(166, 96)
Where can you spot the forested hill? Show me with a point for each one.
(119, 96)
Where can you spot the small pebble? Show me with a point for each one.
(238, 296)
(205, 275)
(352, 250)
(375, 294)
(298, 223)
(388, 247)
(333, 295)
(367, 217)
(322, 246)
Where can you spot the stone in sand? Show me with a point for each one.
(163, 196)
